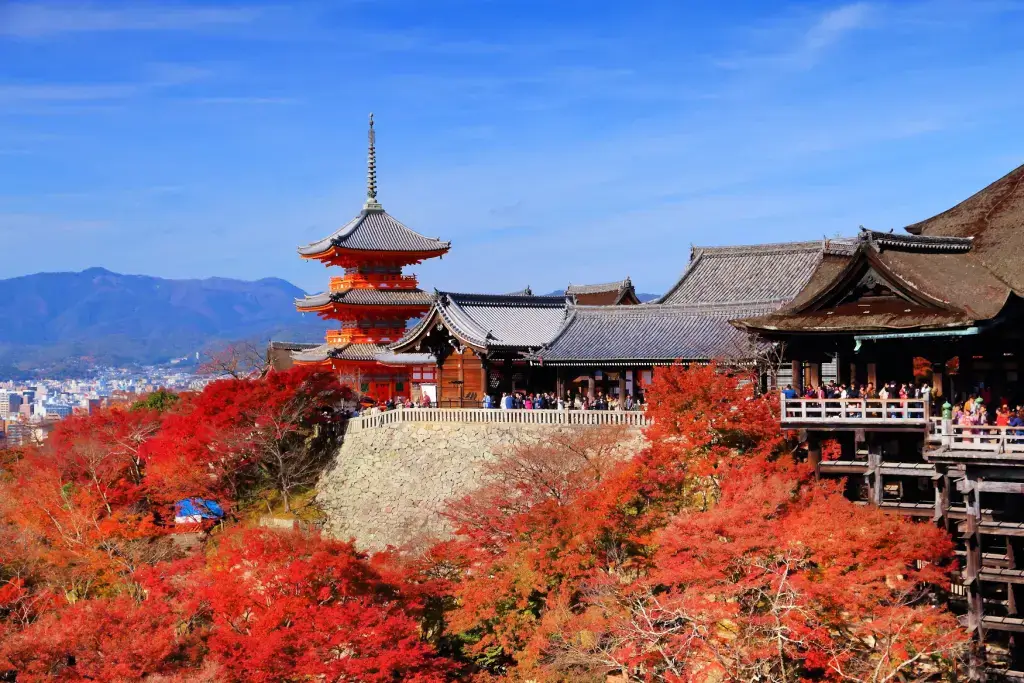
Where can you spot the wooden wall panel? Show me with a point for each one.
(466, 367)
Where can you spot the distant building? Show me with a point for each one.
(60, 410)
(619, 293)
(9, 405)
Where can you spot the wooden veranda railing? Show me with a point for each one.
(909, 412)
(628, 418)
(981, 438)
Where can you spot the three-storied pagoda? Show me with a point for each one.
(374, 299)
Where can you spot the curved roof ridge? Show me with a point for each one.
(599, 287)
(461, 322)
(741, 249)
(937, 242)
(504, 299)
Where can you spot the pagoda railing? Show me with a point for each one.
(374, 281)
(900, 412)
(627, 418)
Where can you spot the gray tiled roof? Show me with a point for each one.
(652, 332)
(291, 346)
(367, 297)
(375, 230)
(603, 287)
(358, 351)
(347, 352)
(494, 320)
(392, 358)
(317, 354)
(757, 273)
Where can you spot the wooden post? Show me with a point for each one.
(590, 386)
(874, 473)
(814, 452)
(798, 376)
(622, 387)
(975, 600)
(462, 377)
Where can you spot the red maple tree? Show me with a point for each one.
(702, 555)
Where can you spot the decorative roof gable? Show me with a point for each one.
(491, 321)
(892, 281)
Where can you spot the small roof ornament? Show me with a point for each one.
(371, 172)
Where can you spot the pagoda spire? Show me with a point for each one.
(371, 173)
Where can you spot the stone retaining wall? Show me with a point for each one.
(387, 484)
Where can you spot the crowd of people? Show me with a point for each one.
(888, 390)
(572, 401)
(974, 412)
(519, 400)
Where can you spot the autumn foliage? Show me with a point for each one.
(703, 552)
(710, 555)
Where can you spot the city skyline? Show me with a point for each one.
(550, 144)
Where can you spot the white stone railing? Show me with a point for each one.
(628, 418)
(837, 411)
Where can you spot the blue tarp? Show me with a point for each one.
(198, 507)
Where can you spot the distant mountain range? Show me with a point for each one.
(53, 322)
(64, 323)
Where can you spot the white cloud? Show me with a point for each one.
(805, 43)
(66, 93)
(41, 19)
(832, 26)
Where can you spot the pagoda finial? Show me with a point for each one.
(371, 173)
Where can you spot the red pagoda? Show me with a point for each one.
(374, 299)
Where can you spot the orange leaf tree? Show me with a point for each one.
(707, 553)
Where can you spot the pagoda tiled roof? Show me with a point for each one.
(493, 321)
(750, 274)
(367, 297)
(650, 333)
(375, 230)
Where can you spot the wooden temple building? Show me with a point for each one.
(479, 342)
(613, 350)
(374, 299)
(938, 304)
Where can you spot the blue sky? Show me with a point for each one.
(550, 141)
